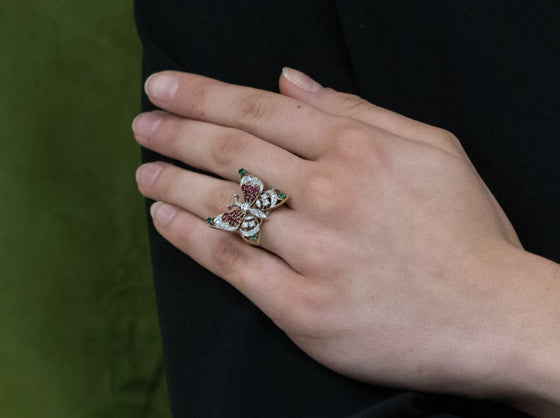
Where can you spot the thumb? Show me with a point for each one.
(301, 81)
(295, 84)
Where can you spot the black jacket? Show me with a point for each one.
(486, 70)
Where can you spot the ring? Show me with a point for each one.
(247, 216)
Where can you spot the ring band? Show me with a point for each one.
(249, 215)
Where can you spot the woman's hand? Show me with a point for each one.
(392, 262)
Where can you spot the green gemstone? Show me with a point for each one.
(242, 172)
(282, 195)
(254, 237)
(209, 221)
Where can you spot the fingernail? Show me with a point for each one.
(145, 124)
(162, 213)
(301, 80)
(147, 173)
(161, 86)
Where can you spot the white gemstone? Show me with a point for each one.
(251, 232)
(251, 221)
(273, 197)
(257, 213)
(252, 181)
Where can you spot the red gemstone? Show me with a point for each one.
(234, 217)
(249, 192)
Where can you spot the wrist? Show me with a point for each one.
(530, 363)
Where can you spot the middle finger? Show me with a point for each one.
(217, 149)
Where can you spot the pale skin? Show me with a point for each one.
(391, 263)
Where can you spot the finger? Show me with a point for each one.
(264, 278)
(299, 86)
(218, 149)
(195, 192)
(283, 121)
(205, 196)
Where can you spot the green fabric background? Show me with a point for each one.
(78, 328)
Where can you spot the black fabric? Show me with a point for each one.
(487, 71)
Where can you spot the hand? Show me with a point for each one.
(392, 263)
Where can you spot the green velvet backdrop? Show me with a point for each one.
(78, 327)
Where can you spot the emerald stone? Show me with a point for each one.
(254, 237)
(241, 172)
(281, 195)
(209, 221)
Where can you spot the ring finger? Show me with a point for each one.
(206, 196)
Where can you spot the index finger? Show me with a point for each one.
(293, 125)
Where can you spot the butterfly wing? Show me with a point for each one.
(252, 187)
(250, 229)
(228, 221)
(264, 203)
(269, 200)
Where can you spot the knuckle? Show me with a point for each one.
(256, 106)
(181, 235)
(227, 254)
(343, 128)
(198, 103)
(310, 305)
(218, 199)
(322, 254)
(353, 104)
(166, 182)
(367, 148)
(226, 148)
(170, 133)
(323, 192)
(351, 142)
(446, 138)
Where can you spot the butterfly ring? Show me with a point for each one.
(248, 216)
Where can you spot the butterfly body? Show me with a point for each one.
(248, 216)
